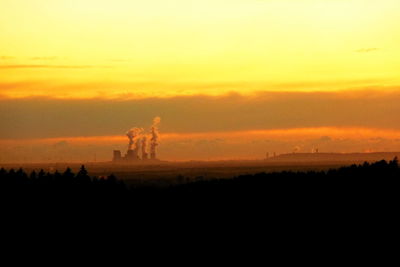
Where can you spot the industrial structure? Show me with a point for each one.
(138, 143)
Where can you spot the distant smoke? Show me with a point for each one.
(154, 130)
(144, 146)
(367, 50)
(155, 136)
(296, 149)
(138, 140)
(133, 135)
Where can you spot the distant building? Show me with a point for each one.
(132, 156)
(139, 146)
(117, 155)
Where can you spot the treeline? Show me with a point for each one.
(19, 183)
(366, 182)
(284, 206)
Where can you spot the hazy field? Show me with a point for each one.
(163, 173)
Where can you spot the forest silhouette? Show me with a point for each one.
(369, 184)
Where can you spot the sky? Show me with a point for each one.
(231, 79)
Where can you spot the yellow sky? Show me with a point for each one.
(128, 48)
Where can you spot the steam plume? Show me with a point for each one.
(144, 146)
(138, 141)
(154, 137)
(133, 135)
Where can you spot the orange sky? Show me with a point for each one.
(237, 70)
(210, 145)
(234, 136)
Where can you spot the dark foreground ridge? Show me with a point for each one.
(367, 185)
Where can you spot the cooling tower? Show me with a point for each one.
(117, 155)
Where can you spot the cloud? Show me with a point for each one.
(325, 139)
(27, 66)
(17, 85)
(119, 60)
(61, 144)
(43, 58)
(6, 57)
(43, 117)
(367, 50)
(119, 90)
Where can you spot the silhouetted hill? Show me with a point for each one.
(334, 157)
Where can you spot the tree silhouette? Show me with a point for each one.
(374, 184)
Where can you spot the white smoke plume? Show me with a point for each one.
(138, 139)
(144, 147)
(154, 130)
(155, 136)
(133, 135)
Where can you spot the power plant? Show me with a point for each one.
(138, 142)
